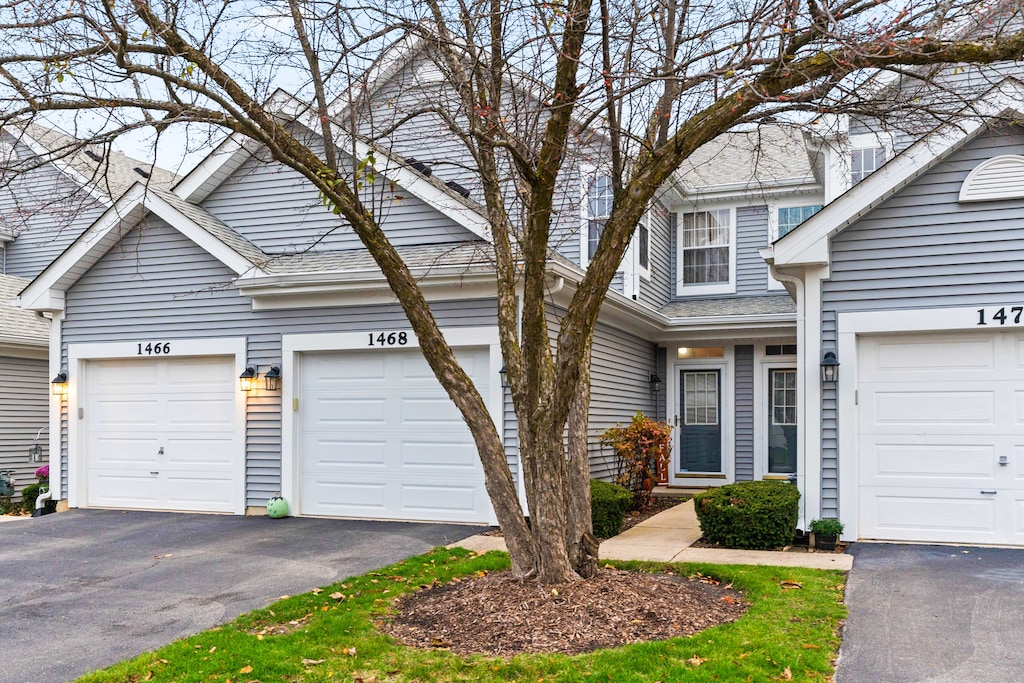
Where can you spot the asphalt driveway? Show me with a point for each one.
(933, 613)
(87, 588)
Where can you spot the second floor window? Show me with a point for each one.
(706, 244)
(792, 216)
(599, 207)
(864, 162)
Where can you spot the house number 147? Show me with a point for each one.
(1001, 316)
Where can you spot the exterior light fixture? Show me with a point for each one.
(245, 380)
(503, 373)
(59, 384)
(272, 380)
(656, 383)
(829, 368)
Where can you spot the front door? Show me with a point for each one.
(700, 438)
(782, 421)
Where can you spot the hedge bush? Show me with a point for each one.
(608, 505)
(29, 495)
(753, 515)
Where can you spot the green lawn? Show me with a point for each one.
(787, 634)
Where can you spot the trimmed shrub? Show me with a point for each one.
(29, 495)
(608, 506)
(753, 515)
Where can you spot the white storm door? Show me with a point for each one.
(941, 438)
(160, 434)
(380, 439)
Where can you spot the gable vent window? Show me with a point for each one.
(997, 178)
(864, 162)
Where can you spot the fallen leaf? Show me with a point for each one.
(148, 676)
(337, 596)
(438, 642)
(317, 591)
(284, 597)
(808, 646)
(213, 649)
(160, 557)
(245, 670)
(313, 662)
(787, 675)
(350, 651)
(695, 660)
(259, 637)
(554, 591)
(790, 584)
(729, 599)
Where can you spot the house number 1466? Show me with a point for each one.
(155, 349)
(1003, 316)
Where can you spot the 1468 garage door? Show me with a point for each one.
(941, 437)
(161, 434)
(379, 438)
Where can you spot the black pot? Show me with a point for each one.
(823, 542)
(801, 538)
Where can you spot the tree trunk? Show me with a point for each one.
(545, 470)
(579, 533)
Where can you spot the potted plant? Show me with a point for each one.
(825, 533)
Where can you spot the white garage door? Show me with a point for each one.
(380, 438)
(941, 438)
(161, 434)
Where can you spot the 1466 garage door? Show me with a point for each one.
(941, 437)
(161, 434)
(380, 439)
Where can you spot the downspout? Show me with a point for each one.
(795, 286)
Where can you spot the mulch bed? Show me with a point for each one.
(496, 614)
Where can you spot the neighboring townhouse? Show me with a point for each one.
(52, 188)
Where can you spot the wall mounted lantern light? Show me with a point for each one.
(503, 373)
(59, 384)
(272, 380)
(829, 368)
(655, 382)
(245, 380)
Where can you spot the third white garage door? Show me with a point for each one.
(380, 438)
(941, 438)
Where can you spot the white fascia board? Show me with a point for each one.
(62, 166)
(46, 292)
(404, 177)
(218, 164)
(183, 224)
(808, 243)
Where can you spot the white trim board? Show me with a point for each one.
(294, 345)
(78, 357)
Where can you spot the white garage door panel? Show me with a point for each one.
(937, 415)
(380, 438)
(161, 434)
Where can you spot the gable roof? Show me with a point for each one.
(46, 291)
(19, 327)
(808, 243)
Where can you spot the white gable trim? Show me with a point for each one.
(62, 166)
(808, 244)
(46, 292)
(215, 168)
(1000, 177)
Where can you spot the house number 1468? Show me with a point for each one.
(388, 338)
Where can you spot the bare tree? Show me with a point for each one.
(528, 89)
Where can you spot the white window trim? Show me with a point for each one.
(762, 365)
(587, 173)
(645, 273)
(79, 356)
(773, 225)
(717, 288)
(294, 345)
(727, 419)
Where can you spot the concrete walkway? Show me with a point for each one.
(667, 537)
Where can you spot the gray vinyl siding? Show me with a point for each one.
(280, 211)
(655, 292)
(744, 417)
(24, 410)
(46, 211)
(922, 249)
(620, 369)
(751, 235)
(156, 283)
